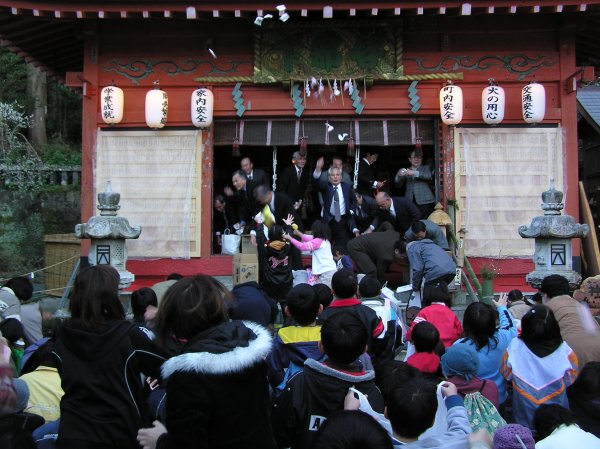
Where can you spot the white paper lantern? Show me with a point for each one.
(451, 104)
(157, 107)
(202, 107)
(533, 101)
(112, 104)
(493, 102)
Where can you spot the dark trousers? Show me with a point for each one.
(425, 210)
(339, 231)
(447, 278)
(295, 258)
(373, 253)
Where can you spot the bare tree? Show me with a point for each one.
(36, 90)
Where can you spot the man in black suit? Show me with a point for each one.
(338, 202)
(256, 175)
(366, 175)
(242, 199)
(365, 211)
(400, 212)
(279, 207)
(294, 178)
(223, 219)
(293, 181)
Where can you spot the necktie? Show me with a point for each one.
(335, 205)
(268, 218)
(392, 213)
(299, 174)
(250, 176)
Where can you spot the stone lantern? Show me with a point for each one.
(108, 234)
(553, 233)
(440, 218)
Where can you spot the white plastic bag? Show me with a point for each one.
(230, 243)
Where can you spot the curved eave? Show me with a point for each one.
(49, 34)
(217, 8)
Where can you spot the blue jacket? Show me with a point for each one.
(490, 357)
(428, 261)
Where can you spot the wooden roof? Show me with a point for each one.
(588, 105)
(50, 33)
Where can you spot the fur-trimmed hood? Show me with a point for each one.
(228, 348)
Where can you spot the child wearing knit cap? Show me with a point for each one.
(514, 436)
(460, 364)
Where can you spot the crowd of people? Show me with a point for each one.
(325, 193)
(198, 365)
(325, 361)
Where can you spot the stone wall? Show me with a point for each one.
(25, 217)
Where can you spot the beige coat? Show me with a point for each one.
(518, 309)
(577, 327)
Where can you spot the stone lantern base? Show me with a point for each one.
(536, 277)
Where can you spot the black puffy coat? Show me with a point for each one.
(276, 266)
(217, 390)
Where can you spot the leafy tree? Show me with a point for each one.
(13, 79)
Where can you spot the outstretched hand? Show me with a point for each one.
(502, 300)
(289, 220)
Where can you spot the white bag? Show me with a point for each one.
(230, 243)
(440, 423)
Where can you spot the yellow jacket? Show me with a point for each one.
(45, 392)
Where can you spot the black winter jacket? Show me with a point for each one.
(100, 375)
(217, 390)
(311, 396)
(276, 265)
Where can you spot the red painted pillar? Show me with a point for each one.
(568, 108)
(448, 168)
(89, 125)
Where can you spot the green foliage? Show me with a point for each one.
(13, 146)
(21, 240)
(13, 79)
(63, 121)
(488, 271)
(61, 154)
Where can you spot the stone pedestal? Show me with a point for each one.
(553, 233)
(108, 233)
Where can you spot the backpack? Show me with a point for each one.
(290, 372)
(482, 413)
(384, 345)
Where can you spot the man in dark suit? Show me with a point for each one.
(400, 212)
(275, 207)
(366, 175)
(365, 211)
(256, 175)
(293, 181)
(242, 199)
(374, 252)
(338, 202)
(223, 219)
(294, 178)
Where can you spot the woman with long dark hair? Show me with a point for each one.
(489, 339)
(539, 364)
(217, 390)
(100, 357)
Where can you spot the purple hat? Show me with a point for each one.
(513, 436)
